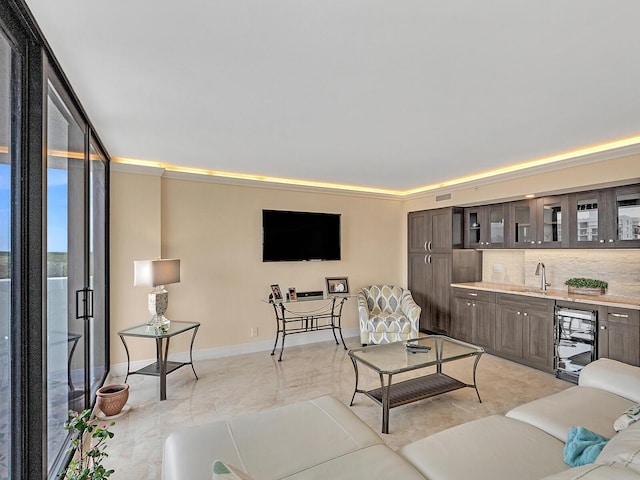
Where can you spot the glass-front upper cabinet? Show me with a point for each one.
(627, 211)
(485, 226)
(587, 228)
(523, 224)
(553, 231)
(538, 222)
(608, 218)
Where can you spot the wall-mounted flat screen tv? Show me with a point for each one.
(300, 236)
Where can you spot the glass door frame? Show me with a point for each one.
(90, 140)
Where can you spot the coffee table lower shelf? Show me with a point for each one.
(416, 389)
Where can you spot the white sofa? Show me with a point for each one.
(324, 439)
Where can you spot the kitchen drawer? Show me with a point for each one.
(623, 315)
(524, 301)
(478, 295)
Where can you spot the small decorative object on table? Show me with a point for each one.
(276, 293)
(87, 464)
(337, 285)
(111, 399)
(586, 286)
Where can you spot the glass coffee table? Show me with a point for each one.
(394, 358)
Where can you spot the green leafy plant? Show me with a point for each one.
(87, 463)
(586, 283)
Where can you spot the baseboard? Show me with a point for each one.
(120, 369)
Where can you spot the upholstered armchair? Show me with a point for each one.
(387, 314)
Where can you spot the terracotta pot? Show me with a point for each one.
(110, 399)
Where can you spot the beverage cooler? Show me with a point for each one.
(575, 341)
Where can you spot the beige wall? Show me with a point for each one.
(216, 231)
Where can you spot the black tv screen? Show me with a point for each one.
(300, 236)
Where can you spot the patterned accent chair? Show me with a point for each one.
(387, 314)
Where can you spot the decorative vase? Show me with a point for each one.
(110, 399)
(586, 291)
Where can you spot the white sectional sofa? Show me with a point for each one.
(324, 439)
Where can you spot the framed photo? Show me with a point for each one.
(292, 294)
(337, 285)
(276, 292)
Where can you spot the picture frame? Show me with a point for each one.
(337, 285)
(293, 296)
(276, 292)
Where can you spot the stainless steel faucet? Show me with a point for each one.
(543, 281)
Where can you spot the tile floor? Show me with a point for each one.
(248, 383)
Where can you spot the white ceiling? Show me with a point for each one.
(381, 93)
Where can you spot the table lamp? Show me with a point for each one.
(157, 274)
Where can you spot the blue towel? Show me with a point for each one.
(583, 446)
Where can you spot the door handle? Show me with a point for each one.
(429, 245)
(84, 296)
(429, 259)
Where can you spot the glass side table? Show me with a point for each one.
(161, 367)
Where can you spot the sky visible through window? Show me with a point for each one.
(57, 199)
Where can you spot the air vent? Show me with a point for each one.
(443, 197)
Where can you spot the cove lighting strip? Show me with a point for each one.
(572, 154)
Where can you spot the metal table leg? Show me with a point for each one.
(386, 394)
(193, 338)
(126, 349)
(355, 390)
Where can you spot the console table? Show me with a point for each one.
(161, 367)
(292, 318)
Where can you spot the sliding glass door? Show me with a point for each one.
(54, 194)
(7, 132)
(76, 268)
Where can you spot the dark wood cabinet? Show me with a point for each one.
(473, 317)
(524, 330)
(461, 318)
(435, 261)
(538, 223)
(619, 334)
(485, 226)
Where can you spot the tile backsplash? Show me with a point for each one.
(620, 268)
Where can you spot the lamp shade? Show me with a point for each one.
(152, 273)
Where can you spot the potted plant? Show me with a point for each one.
(586, 286)
(87, 462)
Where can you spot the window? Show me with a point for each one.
(6, 79)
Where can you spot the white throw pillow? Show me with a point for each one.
(623, 449)
(222, 471)
(627, 418)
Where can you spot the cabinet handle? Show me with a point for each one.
(425, 245)
(429, 259)
(473, 294)
(473, 305)
(602, 241)
(533, 242)
(525, 314)
(518, 313)
(429, 245)
(611, 240)
(603, 327)
(619, 315)
(468, 304)
(425, 259)
(539, 242)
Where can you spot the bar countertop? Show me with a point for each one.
(553, 294)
